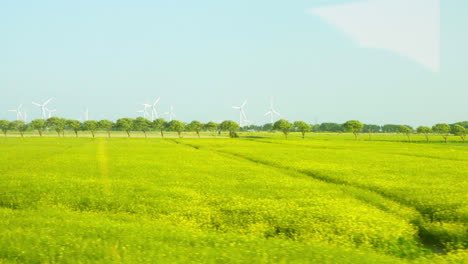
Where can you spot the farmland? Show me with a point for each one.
(255, 199)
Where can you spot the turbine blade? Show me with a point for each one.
(48, 101)
(244, 103)
(267, 113)
(34, 103)
(157, 101)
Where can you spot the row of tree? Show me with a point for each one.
(339, 128)
(59, 125)
(356, 127)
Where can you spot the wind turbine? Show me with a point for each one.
(154, 111)
(242, 117)
(43, 107)
(170, 113)
(50, 111)
(272, 112)
(145, 113)
(19, 116)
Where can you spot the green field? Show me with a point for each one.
(256, 199)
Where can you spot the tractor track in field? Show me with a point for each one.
(428, 240)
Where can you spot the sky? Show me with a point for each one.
(205, 56)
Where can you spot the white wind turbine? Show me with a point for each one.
(43, 107)
(242, 116)
(19, 115)
(50, 111)
(145, 113)
(142, 112)
(272, 112)
(154, 111)
(170, 113)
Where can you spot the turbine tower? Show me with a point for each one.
(272, 112)
(154, 111)
(170, 113)
(43, 107)
(86, 115)
(242, 116)
(25, 116)
(19, 115)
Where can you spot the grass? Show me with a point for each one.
(326, 199)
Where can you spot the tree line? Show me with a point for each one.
(128, 125)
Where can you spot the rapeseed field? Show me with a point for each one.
(255, 199)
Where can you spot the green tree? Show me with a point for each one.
(195, 126)
(159, 124)
(39, 125)
(283, 126)
(125, 124)
(463, 124)
(405, 130)
(18, 125)
(424, 130)
(4, 126)
(74, 125)
(390, 128)
(231, 127)
(315, 128)
(371, 129)
(330, 127)
(91, 126)
(176, 125)
(267, 127)
(353, 126)
(106, 125)
(57, 124)
(459, 131)
(211, 126)
(142, 124)
(302, 127)
(443, 130)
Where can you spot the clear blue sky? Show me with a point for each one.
(204, 56)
